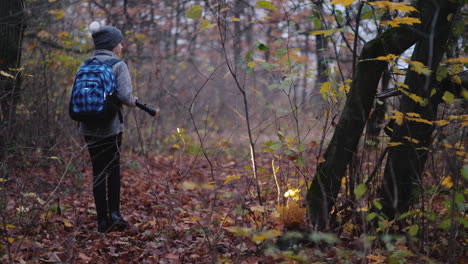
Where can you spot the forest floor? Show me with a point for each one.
(178, 213)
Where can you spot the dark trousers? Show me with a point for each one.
(105, 157)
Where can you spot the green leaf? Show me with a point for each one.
(276, 146)
(205, 24)
(266, 66)
(377, 205)
(367, 15)
(262, 47)
(317, 23)
(240, 211)
(339, 16)
(459, 27)
(194, 12)
(464, 172)
(301, 147)
(281, 52)
(459, 198)
(371, 216)
(300, 161)
(445, 224)
(360, 190)
(413, 230)
(249, 56)
(441, 73)
(448, 97)
(266, 5)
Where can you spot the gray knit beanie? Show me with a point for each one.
(107, 37)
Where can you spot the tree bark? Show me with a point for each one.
(405, 163)
(324, 189)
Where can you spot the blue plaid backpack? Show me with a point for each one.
(93, 92)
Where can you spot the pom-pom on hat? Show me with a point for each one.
(105, 37)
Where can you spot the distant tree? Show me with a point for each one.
(11, 33)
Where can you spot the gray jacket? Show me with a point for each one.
(112, 126)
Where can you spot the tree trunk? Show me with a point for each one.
(325, 186)
(405, 163)
(11, 32)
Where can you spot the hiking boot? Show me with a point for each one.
(117, 222)
(103, 226)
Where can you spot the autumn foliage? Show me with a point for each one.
(250, 95)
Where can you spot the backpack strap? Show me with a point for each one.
(90, 60)
(111, 63)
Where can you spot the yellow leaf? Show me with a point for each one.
(414, 97)
(447, 182)
(293, 193)
(448, 97)
(394, 144)
(456, 79)
(230, 178)
(411, 114)
(7, 75)
(10, 226)
(10, 240)
(398, 116)
(342, 2)
(458, 60)
(412, 140)
(176, 146)
(16, 69)
(344, 88)
(396, 22)
(442, 122)
(205, 24)
(325, 88)
(235, 19)
(67, 223)
(387, 58)
(403, 7)
(251, 64)
(327, 32)
(269, 234)
(419, 67)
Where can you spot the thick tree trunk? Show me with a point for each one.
(405, 163)
(11, 32)
(325, 186)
